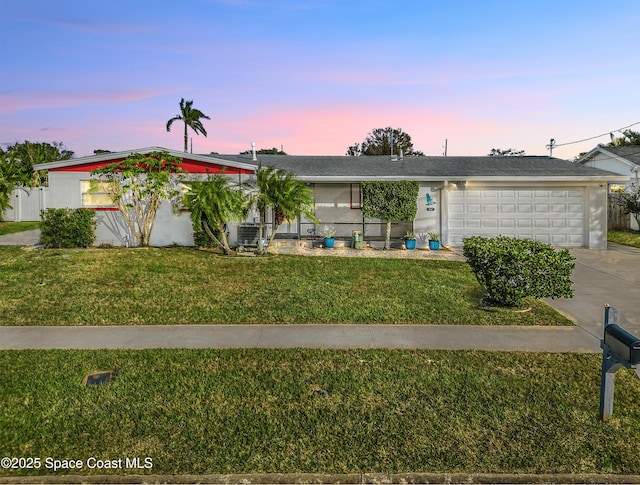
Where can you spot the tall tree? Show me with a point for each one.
(214, 203)
(283, 193)
(385, 141)
(138, 184)
(509, 152)
(23, 156)
(191, 118)
(390, 201)
(629, 137)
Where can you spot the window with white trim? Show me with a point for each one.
(99, 197)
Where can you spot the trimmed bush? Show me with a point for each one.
(511, 270)
(68, 228)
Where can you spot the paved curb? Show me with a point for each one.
(319, 478)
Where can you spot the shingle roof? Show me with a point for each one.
(356, 169)
(422, 168)
(630, 153)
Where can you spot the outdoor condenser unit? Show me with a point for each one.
(248, 235)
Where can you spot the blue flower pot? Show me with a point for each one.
(329, 242)
(434, 245)
(410, 243)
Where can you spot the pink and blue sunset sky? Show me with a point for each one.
(315, 76)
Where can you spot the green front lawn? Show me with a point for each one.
(185, 286)
(628, 238)
(244, 411)
(13, 227)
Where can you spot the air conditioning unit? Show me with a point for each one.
(248, 235)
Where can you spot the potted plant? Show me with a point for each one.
(409, 240)
(329, 241)
(434, 241)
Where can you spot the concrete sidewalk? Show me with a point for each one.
(24, 238)
(330, 336)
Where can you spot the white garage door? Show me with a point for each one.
(554, 216)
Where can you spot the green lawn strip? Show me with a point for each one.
(628, 238)
(13, 227)
(183, 286)
(256, 411)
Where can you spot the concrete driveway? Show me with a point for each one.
(611, 276)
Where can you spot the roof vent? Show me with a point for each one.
(253, 151)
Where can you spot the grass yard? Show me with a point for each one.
(186, 286)
(628, 238)
(13, 227)
(252, 411)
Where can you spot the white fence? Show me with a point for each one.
(27, 203)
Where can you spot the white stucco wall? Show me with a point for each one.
(596, 216)
(428, 216)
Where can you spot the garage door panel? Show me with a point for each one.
(507, 223)
(508, 208)
(554, 216)
(525, 208)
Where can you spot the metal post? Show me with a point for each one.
(610, 315)
(611, 362)
(609, 367)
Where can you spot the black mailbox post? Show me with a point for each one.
(619, 349)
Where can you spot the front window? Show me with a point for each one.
(99, 196)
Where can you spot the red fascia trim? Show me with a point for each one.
(194, 166)
(85, 167)
(103, 208)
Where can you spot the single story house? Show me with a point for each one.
(623, 160)
(536, 197)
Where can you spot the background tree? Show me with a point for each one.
(509, 152)
(283, 193)
(138, 184)
(629, 137)
(7, 183)
(265, 151)
(214, 203)
(378, 142)
(191, 118)
(390, 201)
(23, 156)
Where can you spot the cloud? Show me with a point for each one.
(40, 99)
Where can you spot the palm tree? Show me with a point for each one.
(287, 196)
(191, 118)
(213, 203)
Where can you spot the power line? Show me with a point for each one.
(594, 137)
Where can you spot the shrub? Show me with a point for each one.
(68, 228)
(202, 239)
(511, 270)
